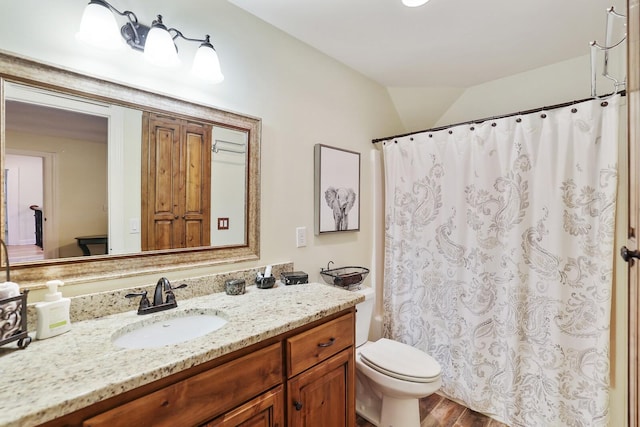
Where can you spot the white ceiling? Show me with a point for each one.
(445, 43)
(41, 120)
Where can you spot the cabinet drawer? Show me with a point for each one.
(265, 410)
(315, 345)
(201, 397)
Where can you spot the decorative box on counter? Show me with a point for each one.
(294, 277)
(265, 282)
(13, 309)
(13, 320)
(234, 286)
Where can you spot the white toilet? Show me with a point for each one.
(390, 376)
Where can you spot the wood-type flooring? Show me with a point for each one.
(438, 411)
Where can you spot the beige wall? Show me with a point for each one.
(302, 96)
(553, 84)
(228, 181)
(81, 182)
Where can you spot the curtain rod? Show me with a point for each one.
(519, 113)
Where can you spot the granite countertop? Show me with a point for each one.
(60, 375)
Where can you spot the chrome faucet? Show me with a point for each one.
(159, 303)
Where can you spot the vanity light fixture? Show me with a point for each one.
(99, 28)
(414, 3)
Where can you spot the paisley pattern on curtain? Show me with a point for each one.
(499, 260)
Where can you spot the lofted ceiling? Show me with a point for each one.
(444, 43)
(438, 50)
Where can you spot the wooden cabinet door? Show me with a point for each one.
(266, 410)
(176, 183)
(160, 182)
(196, 194)
(325, 394)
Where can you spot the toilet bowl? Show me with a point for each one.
(391, 376)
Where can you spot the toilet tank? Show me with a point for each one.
(364, 312)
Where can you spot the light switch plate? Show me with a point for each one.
(301, 237)
(134, 225)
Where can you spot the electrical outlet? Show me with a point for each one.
(301, 237)
(223, 223)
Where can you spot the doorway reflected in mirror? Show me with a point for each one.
(238, 235)
(70, 156)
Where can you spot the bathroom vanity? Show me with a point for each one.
(285, 357)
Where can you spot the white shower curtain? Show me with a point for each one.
(499, 256)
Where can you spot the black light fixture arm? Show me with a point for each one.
(205, 65)
(133, 32)
(177, 33)
(130, 15)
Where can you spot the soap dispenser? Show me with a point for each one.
(53, 312)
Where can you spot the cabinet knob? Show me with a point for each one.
(297, 405)
(176, 217)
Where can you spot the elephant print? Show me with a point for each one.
(340, 200)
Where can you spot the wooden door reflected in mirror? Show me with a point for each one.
(219, 216)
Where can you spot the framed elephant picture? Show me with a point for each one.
(337, 189)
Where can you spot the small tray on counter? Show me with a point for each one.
(345, 277)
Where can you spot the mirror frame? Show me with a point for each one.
(103, 267)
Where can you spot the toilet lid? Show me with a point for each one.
(400, 361)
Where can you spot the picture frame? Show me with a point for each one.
(337, 190)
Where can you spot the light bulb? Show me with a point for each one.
(159, 48)
(206, 64)
(414, 3)
(99, 27)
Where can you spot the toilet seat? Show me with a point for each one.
(400, 361)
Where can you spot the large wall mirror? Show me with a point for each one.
(102, 180)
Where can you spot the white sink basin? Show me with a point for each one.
(168, 329)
